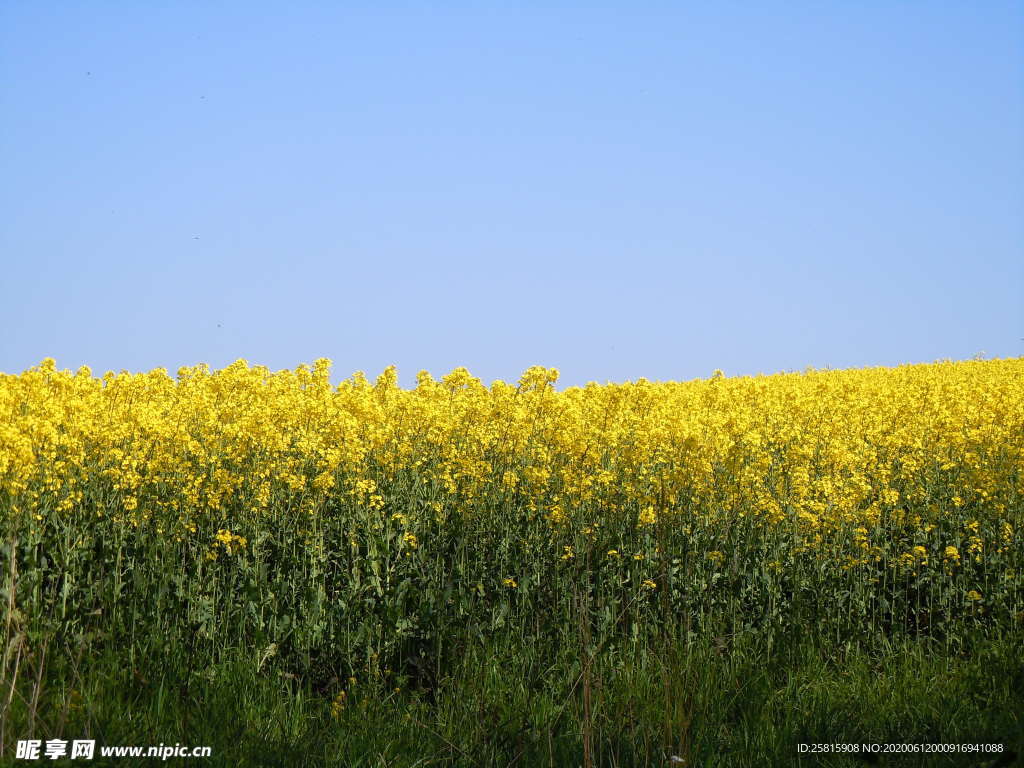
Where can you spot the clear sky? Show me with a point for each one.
(617, 190)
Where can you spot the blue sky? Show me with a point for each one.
(619, 191)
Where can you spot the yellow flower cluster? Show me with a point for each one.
(231, 544)
(338, 704)
(826, 453)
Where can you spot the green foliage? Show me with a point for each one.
(448, 635)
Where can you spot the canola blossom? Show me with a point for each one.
(880, 497)
(820, 450)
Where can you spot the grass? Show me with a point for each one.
(726, 703)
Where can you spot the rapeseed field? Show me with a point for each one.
(350, 546)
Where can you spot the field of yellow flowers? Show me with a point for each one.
(369, 532)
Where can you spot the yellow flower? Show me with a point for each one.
(338, 705)
(229, 541)
(974, 596)
(510, 583)
(647, 516)
(648, 584)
